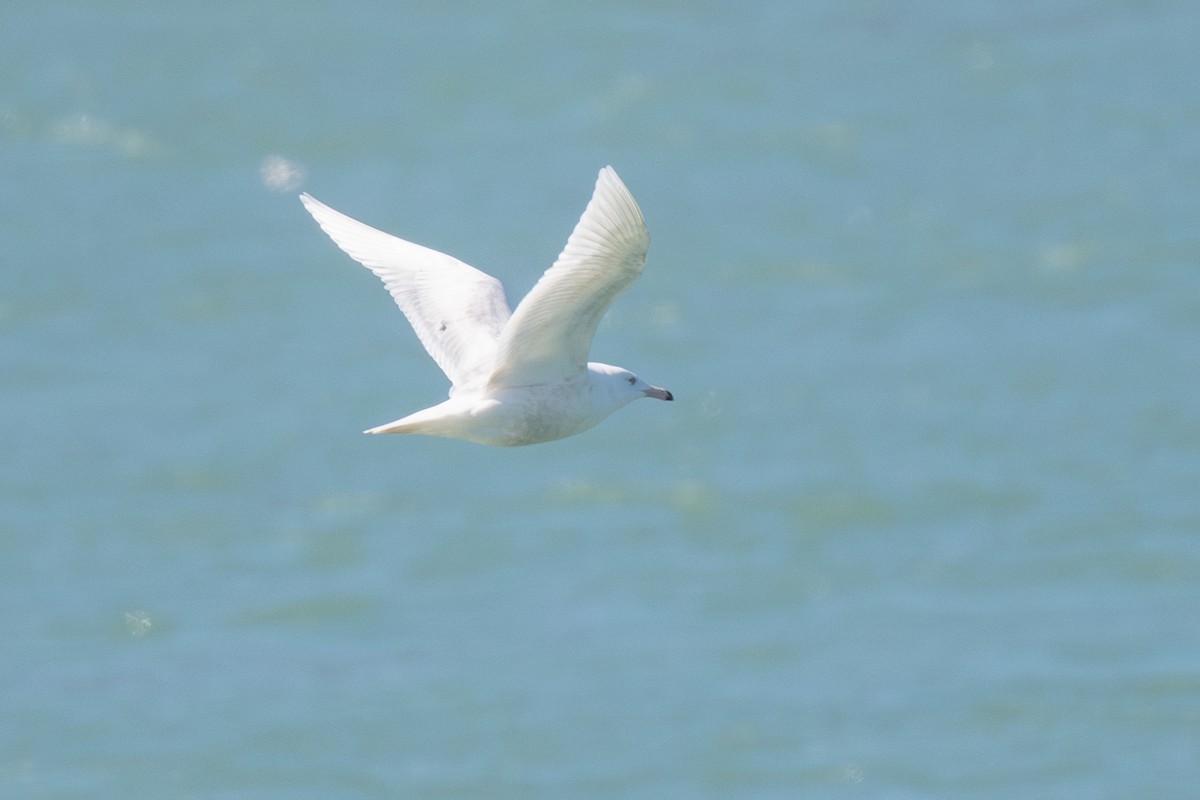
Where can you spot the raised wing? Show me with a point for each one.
(457, 311)
(548, 337)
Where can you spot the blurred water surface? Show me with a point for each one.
(923, 521)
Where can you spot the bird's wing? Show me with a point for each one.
(548, 337)
(457, 311)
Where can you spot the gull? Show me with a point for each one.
(517, 377)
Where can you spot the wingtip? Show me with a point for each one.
(609, 179)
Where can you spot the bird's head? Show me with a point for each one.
(622, 386)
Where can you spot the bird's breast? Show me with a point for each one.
(533, 414)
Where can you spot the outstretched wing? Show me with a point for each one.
(457, 311)
(548, 337)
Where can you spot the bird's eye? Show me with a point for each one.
(632, 380)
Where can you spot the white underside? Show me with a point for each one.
(506, 418)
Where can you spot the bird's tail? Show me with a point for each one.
(439, 420)
(399, 426)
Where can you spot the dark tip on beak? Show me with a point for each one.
(669, 396)
(659, 393)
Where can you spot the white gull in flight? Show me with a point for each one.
(517, 377)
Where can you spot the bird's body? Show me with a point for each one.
(518, 415)
(519, 377)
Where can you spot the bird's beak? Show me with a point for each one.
(659, 393)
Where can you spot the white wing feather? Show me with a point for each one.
(457, 311)
(550, 332)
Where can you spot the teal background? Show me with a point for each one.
(922, 521)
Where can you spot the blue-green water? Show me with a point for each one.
(923, 521)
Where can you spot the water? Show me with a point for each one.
(922, 522)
